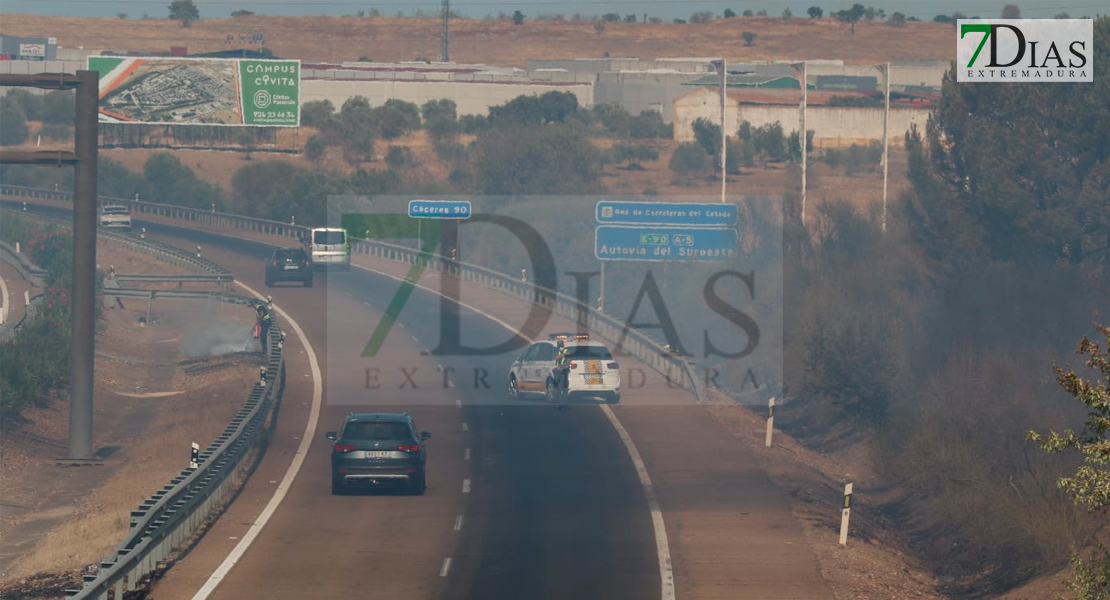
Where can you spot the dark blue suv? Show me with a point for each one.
(378, 449)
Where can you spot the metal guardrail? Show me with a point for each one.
(654, 354)
(166, 521)
(181, 278)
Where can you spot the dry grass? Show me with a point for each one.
(102, 518)
(492, 41)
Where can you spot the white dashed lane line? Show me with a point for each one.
(446, 568)
(466, 427)
(466, 486)
(458, 523)
(466, 454)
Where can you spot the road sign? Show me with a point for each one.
(679, 244)
(439, 209)
(684, 214)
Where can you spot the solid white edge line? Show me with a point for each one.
(290, 474)
(4, 299)
(662, 548)
(446, 568)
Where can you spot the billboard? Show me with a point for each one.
(199, 91)
(32, 50)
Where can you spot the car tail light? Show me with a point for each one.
(612, 366)
(344, 448)
(574, 365)
(409, 448)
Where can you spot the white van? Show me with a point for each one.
(329, 247)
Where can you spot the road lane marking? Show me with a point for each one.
(458, 403)
(466, 486)
(466, 454)
(662, 547)
(290, 474)
(458, 523)
(446, 568)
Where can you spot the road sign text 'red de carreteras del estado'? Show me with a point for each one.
(665, 231)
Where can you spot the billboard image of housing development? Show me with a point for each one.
(198, 91)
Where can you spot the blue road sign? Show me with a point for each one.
(678, 244)
(684, 214)
(439, 209)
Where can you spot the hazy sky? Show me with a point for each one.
(668, 9)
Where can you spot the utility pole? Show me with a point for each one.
(83, 292)
(445, 41)
(886, 136)
(722, 84)
(803, 135)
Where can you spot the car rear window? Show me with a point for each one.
(297, 254)
(328, 237)
(115, 210)
(590, 352)
(377, 430)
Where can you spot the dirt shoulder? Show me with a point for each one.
(150, 403)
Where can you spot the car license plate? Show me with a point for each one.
(291, 267)
(377, 454)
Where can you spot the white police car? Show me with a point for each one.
(593, 370)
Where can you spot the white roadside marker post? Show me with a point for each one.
(194, 456)
(770, 421)
(845, 512)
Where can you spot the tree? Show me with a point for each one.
(707, 134)
(1016, 172)
(634, 153)
(529, 160)
(897, 20)
(787, 14)
(185, 11)
(317, 113)
(14, 130)
(749, 38)
(518, 17)
(1062, 15)
(702, 16)
(599, 27)
(1090, 484)
(122, 16)
(398, 156)
(630, 18)
(748, 12)
(815, 12)
(315, 149)
(611, 18)
(242, 13)
(690, 159)
(1011, 11)
(852, 15)
(439, 108)
(555, 106)
(729, 13)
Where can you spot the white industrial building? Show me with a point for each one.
(834, 127)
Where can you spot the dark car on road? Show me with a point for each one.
(378, 449)
(289, 264)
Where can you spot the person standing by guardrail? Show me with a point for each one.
(264, 317)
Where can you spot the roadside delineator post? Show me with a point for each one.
(17, 248)
(198, 251)
(770, 421)
(26, 298)
(845, 512)
(194, 456)
(262, 376)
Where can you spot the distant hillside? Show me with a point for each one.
(500, 42)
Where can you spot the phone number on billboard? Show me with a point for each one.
(275, 114)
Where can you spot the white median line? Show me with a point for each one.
(458, 403)
(466, 454)
(290, 473)
(662, 548)
(446, 568)
(458, 523)
(465, 426)
(466, 486)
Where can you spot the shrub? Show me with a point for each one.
(702, 16)
(56, 132)
(749, 38)
(14, 130)
(398, 156)
(690, 159)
